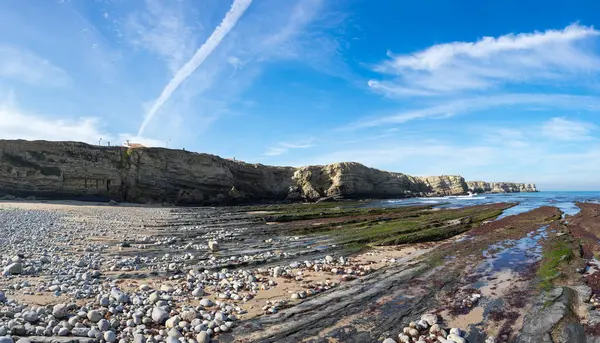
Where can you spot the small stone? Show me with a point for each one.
(110, 336)
(198, 292)
(80, 332)
(94, 316)
(203, 337)
(455, 331)
(389, 340)
(206, 303)
(93, 332)
(455, 338)
(159, 315)
(104, 301)
(174, 333)
(30, 316)
(63, 332)
(402, 338)
(188, 316)
(19, 330)
(430, 318)
(154, 297)
(103, 325)
(59, 311)
(172, 322)
(329, 258)
(119, 296)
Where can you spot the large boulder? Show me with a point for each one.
(13, 268)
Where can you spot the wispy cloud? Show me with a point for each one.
(509, 137)
(491, 62)
(567, 130)
(24, 66)
(480, 103)
(283, 147)
(162, 29)
(237, 10)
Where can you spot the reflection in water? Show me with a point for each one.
(515, 255)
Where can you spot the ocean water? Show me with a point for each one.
(565, 201)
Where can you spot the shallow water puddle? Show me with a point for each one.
(513, 254)
(498, 283)
(567, 208)
(475, 316)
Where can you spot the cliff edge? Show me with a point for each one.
(500, 187)
(73, 170)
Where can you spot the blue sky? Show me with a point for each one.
(496, 91)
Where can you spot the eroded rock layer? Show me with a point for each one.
(72, 170)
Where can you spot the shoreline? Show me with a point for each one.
(338, 200)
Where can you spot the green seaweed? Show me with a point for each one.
(412, 225)
(555, 254)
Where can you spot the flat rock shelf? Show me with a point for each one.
(319, 273)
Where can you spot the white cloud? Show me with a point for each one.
(513, 138)
(480, 103)
(233, 15)
(491, 62)
(24, 66)
(283, 147)
(275, 151)
(392, 90)
(16, 123)
(567, 130)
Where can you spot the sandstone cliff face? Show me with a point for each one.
(71, 170)
(500, 187)
(355, 180)
(446, 184)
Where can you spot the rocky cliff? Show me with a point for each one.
(72, 170)
(499, 187)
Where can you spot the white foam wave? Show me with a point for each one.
(469, 198)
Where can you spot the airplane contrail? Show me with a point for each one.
(237, 10)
